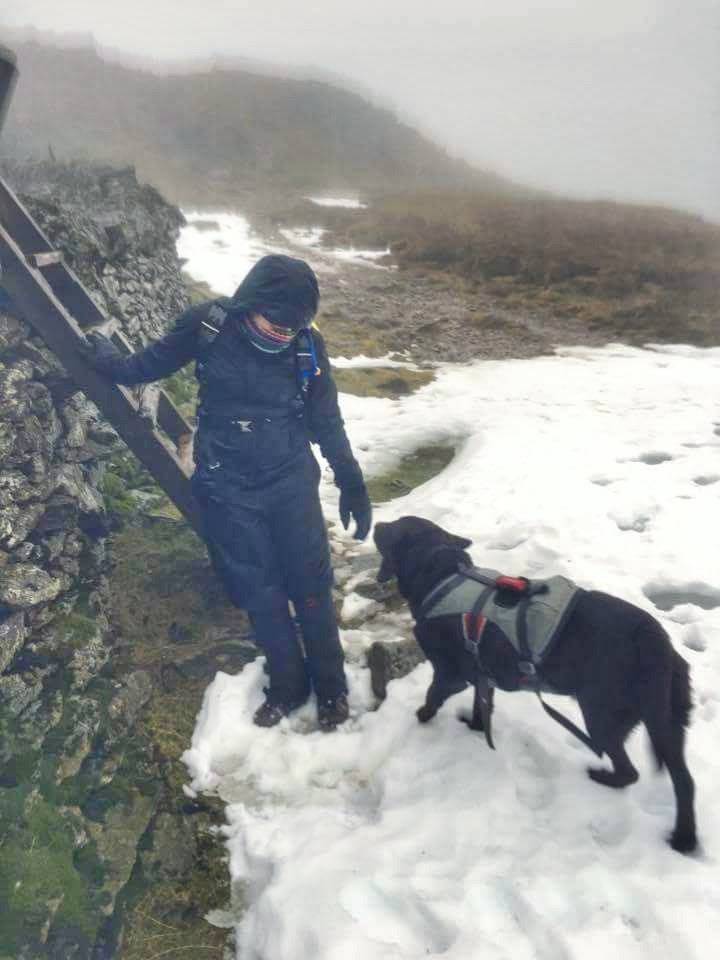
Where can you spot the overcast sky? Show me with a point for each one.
(616, 98)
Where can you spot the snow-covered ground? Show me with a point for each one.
(350, 202)
(219, 248)
(312, 237)
(388, 840)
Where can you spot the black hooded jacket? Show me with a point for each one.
(255, 420)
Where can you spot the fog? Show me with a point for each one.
(592, 98)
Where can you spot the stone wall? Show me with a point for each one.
(77, 792)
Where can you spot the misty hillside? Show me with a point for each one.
(633, 273)
(215, 135)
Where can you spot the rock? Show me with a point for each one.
(86, 715)
(126, 705)
(173, 849)
(72, 483)
(380, 592)
(61, 708)
(357, 609)
(18, 692)
(12, 331)
(116, 841)
(7, 440)
(14, 400)
(61, 513)
(44, 362)
(73, 546)
(69, 566)
(24, 552)
(12, 637)
(25, 585)
(389, 661)
(74, 422)
(91, 653)
(54, 545)
(18, 521)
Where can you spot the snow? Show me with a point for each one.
(356, 606)
(388, 840)
(304, 236)
(356, 253)
(350, 202)
(219, 248)
(312, 237)
(365, 363)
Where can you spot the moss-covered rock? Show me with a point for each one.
(40, 886)
(26, 585)
(116, 840)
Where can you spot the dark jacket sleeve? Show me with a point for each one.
(165, 356)
(326, 422)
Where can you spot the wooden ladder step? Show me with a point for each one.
(41, 260)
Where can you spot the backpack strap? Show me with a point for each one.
(306, 360)
(211, 326)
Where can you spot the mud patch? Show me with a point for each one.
(381, 381)
(413, 470)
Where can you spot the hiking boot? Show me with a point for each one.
(271, 711)
(332, 712)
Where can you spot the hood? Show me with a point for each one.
(282, 289)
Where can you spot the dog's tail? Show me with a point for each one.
(670, 706)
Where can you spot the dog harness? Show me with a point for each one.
(530, 613)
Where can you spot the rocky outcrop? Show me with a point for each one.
(78, 789)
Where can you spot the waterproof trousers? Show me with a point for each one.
(268, 544)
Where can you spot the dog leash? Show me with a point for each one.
(569, 725)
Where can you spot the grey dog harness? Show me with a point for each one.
(530, 613)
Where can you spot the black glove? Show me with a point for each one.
(354, 501)
(100, 353)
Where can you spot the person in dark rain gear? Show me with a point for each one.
(265, 392)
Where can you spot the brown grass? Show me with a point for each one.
(635, 271)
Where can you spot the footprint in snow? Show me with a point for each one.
(706, 480)
(533, 769)
(602, 481)
(652, 458)
(609, 829)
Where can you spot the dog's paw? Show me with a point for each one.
(611, 778)
(425, 713)
(683, 841)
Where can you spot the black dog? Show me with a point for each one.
(613, 657)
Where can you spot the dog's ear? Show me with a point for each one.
(387, 570)
(462, 543)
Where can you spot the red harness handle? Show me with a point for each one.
(516, 584)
